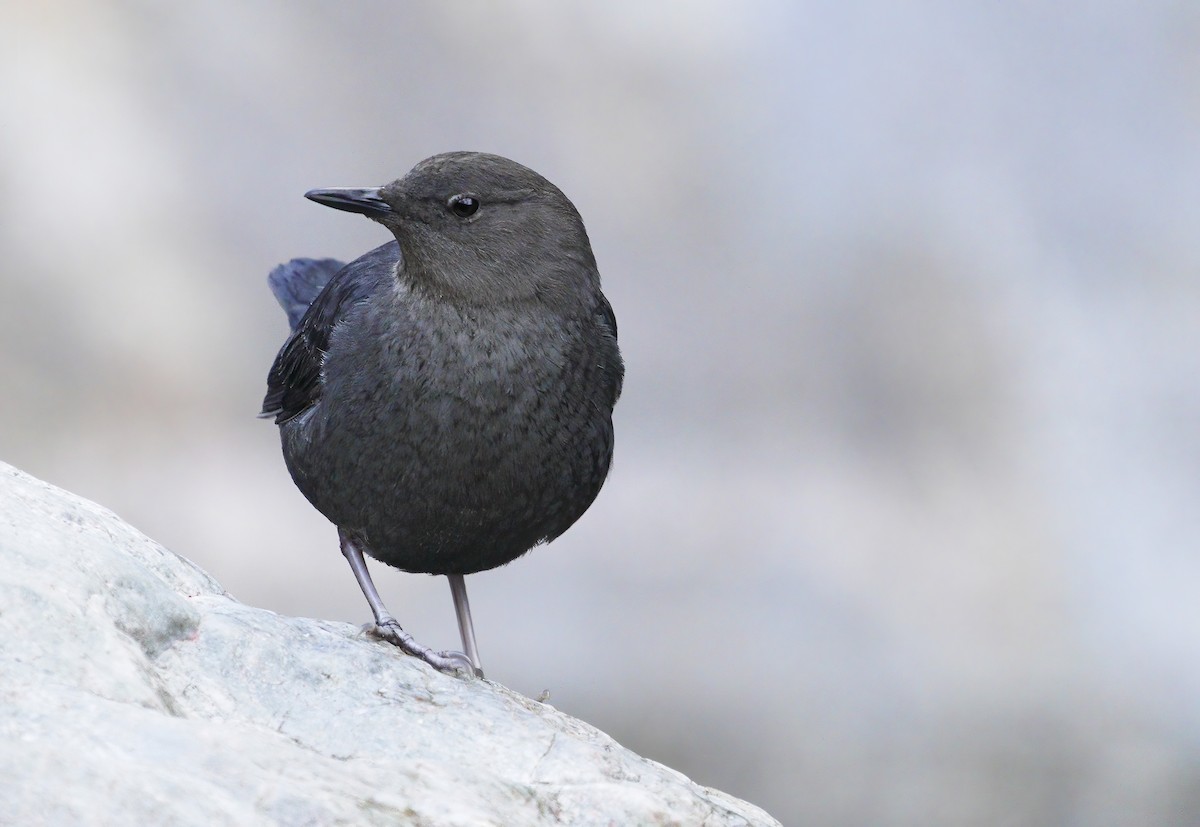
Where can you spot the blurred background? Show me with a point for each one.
(904, 526)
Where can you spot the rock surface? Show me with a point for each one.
(134, 690)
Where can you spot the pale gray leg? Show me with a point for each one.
(462, 608)
(386, 626)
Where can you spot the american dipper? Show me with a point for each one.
(446, 399)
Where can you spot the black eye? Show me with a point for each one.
(464, 206)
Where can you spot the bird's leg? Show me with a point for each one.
(386, 626)
(462, 608)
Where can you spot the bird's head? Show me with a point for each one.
(480, 229)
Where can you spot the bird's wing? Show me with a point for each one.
(294, 383)
(607, 317)
(608, 320)
(299, 282)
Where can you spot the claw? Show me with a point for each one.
(445, 661)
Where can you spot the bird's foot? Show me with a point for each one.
(449, 661)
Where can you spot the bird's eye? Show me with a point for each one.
(464, 206)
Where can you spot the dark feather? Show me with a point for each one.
(294, 383)
(608, 320)
(297, 283)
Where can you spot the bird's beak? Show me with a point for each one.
(365, 201)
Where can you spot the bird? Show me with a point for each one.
(446, 400)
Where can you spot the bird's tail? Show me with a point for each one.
(296, 283)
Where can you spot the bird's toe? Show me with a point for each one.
(450, 662)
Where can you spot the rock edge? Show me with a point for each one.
(135, 690)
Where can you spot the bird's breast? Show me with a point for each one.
(456, 412)
(452, 441)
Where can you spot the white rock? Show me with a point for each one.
(134, 690)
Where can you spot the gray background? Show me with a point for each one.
(903, 527)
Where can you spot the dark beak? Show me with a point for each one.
(365, 201)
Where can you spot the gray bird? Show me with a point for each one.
(446, 399)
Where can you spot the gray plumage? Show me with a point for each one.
(446, 400)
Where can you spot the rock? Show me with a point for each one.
(134, 690)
